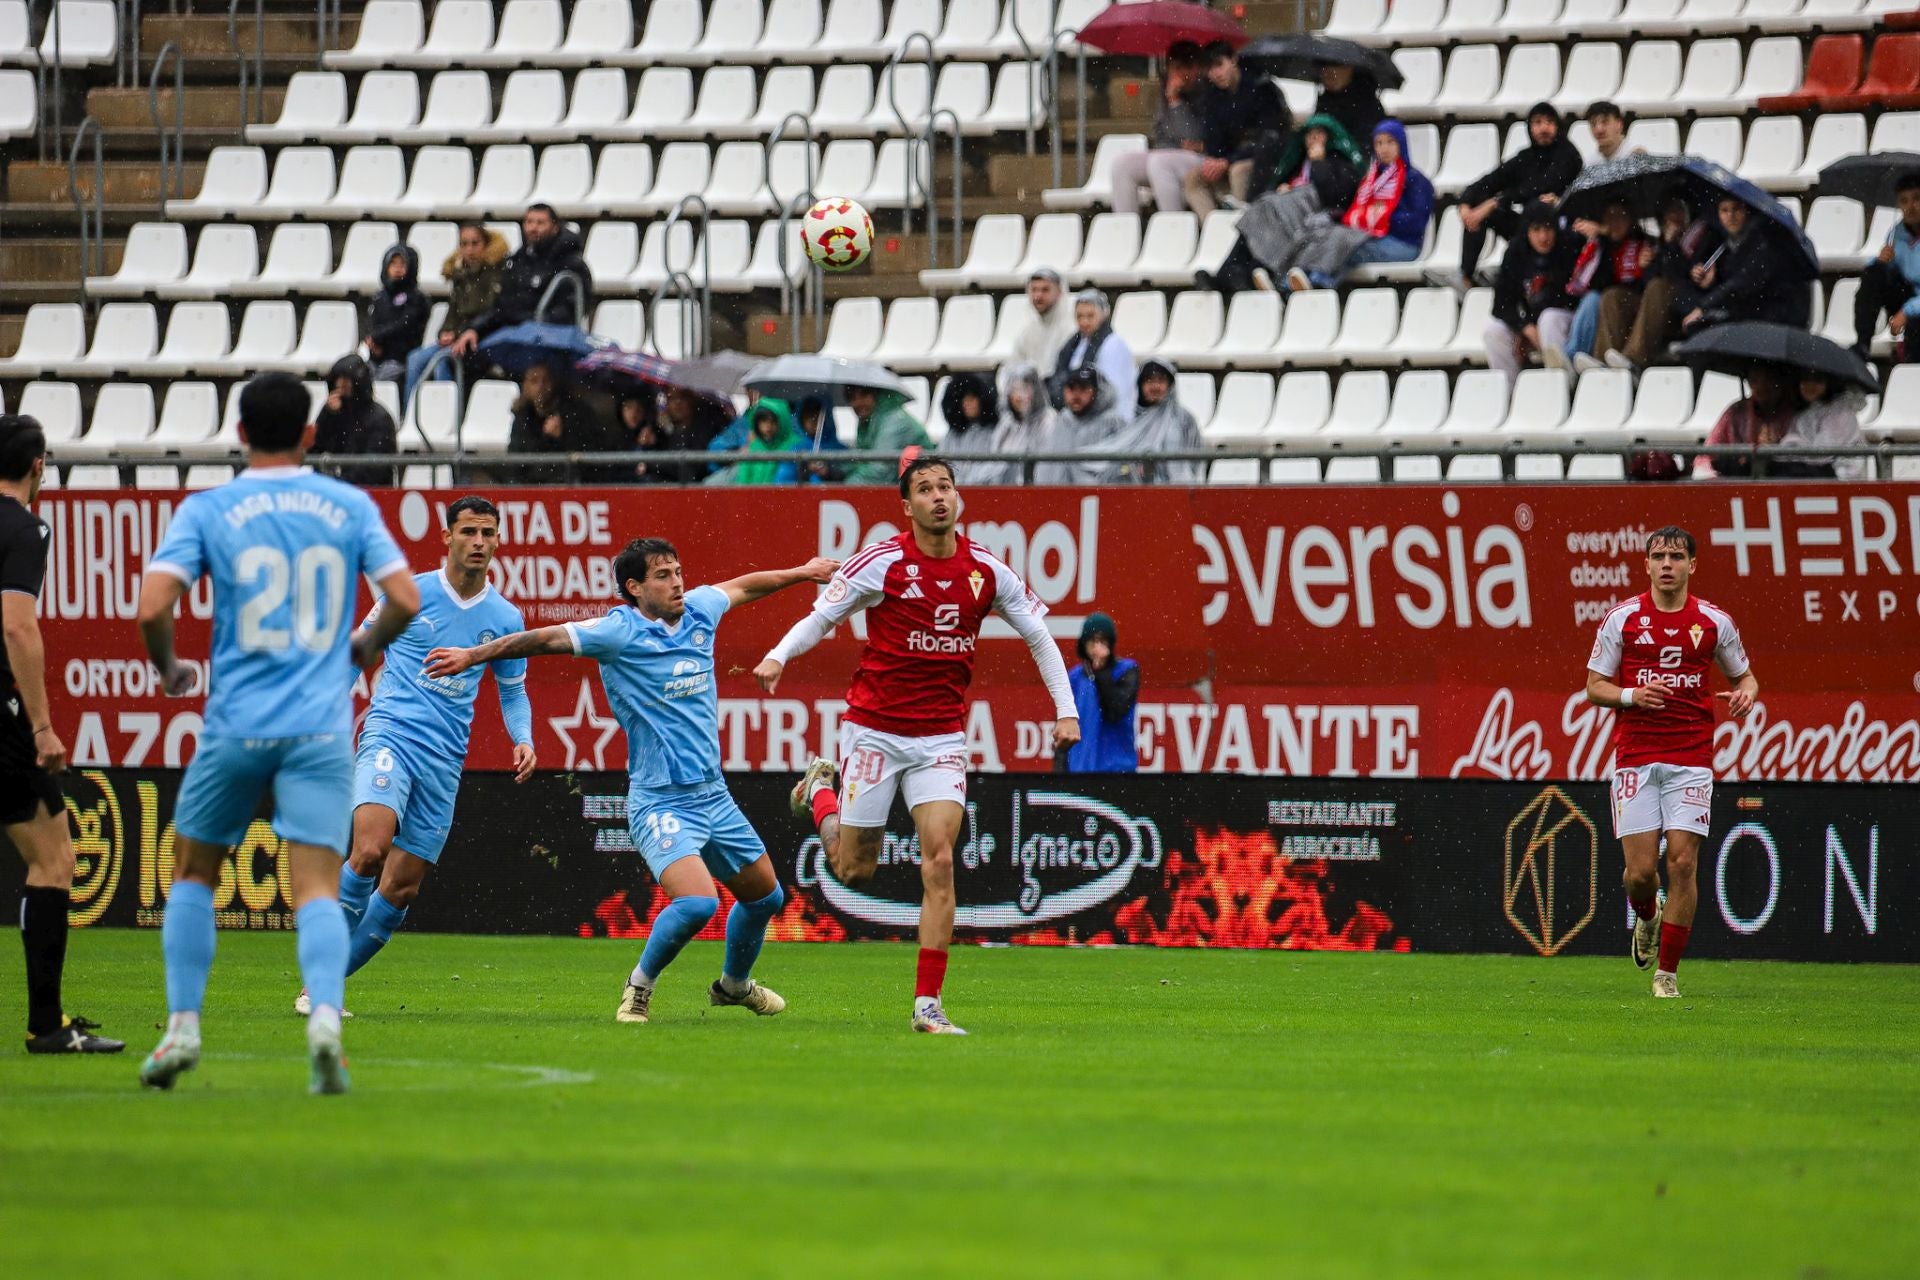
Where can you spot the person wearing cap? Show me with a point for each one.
(1539, 171)
(1176, 146)
(1089, 422)
(1531, 310)
(1094, 344)
(1106, 692)
(1039, 343)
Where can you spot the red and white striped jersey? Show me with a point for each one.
(1639, 646)
(923, 628)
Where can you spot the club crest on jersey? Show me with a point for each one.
(489, 636)
(913, 571)
(1644, 620)
(976, 580)
(699, 637)
(1694, 633)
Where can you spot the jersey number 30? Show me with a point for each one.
(316, 579)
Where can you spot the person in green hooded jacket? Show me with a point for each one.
(884, 426)
(772, 430)
(1318, 173)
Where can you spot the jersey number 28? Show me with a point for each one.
(317, 581)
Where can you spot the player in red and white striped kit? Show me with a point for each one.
(926, 593)
(1651, 661)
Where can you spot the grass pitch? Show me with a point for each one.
(1123, 1113)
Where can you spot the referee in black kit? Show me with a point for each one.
(32, 810)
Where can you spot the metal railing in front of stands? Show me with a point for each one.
(579, 290)
(807, 295)
(326, 23)
(596, 467)
(697, 337)
(93, 223)
(252, 74)
(928, 142)
(912, 174)
(173, 162)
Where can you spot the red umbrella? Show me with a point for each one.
(1149, 29)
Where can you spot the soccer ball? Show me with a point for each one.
(837, 234)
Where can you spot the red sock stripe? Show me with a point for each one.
(931, 974)
(825, 803)
(1673, 945)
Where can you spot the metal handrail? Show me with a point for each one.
(893, 100)
(253, 79)
(93, 245)
(326, 29)
(1034, 69)
(572, 281)
(681, 290)
(46, 121)
(812, 280)
(173, 158)
(766, 158)
(681, 278)
(59, 89)
(1079, 102)
(443, 356)
(929, 141)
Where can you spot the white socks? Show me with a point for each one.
(324, 1018)
(638, 978)
(185, 1026)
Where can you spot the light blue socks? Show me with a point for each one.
(673, 928)
(373, 931)
(746, 930)
(187, 941)
(355, 889)
(323, 952)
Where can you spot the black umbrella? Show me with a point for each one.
(1301, 57)
(1735, 348)
(1870, 179)
(1646, 182)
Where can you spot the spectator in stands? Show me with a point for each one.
(773, 432)
(1753, 276)
(1095, 344)
(1609, 276)
(1028, 424)
(816, 424)
(637, 429)
(1352, 96)
(1629, 339)
(1387, 221)
(1764, 417)
(547, 250)
(1177, 145)
(352, 421)
(1829, 418)
(1247, 122)
(549, 418)
(1052, 324)
(474, 272)
(1160, 426)
(1891, 282)
(1090, 422)
(1319, 173)
(884, 425)
(972, 413)
(1608, 125)
(1541, 170)
(734, 438)
(691, 423)
(397, 316)
(1531, 310)
(1106, 689)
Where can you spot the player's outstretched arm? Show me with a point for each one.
(160, 591)
(401, 601)
(521, 644)
(749, 587)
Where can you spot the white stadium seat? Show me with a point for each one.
(155, 257)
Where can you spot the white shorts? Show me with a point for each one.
(875, 765)
(1662, 797)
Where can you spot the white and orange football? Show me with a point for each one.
(837, 234)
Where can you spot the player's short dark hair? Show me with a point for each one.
(1674, 535)
(925, 462)
(635, 559)
(1908, 181)
(22, 441)
(475, 503)
(275, 410)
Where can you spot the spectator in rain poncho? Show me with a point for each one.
(1094, 344)
(1830, 418)
(1319, 172)
(1160, 426)
(972, 413)
(884, 426)
(1028, 424)
(1091, 422)
(772, 430)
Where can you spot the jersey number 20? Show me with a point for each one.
(316, 579)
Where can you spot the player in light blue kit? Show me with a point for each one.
(656, 663)
(284, 548)
(413, 745)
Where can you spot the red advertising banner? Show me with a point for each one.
(1404, 631)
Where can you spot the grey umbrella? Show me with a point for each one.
(720, 373)
(795, 377)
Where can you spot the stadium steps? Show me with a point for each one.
(290, 43)
(38, 199)
(42, 269)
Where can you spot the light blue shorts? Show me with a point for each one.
(418, 788)
(671, 823)
(311, 778)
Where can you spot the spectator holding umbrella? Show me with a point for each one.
(1350, 95)
(1752, 278)
(1891, 282)
(1531, 310)
(547, 250)
(549, 418)
(1629, 339)
(1246, 119)
(1177, 144)
(1541, 170)
(1763, 417)
(883, 425)
(1829, 417)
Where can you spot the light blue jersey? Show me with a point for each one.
(659, 681)
(283, 547)
(432, 714)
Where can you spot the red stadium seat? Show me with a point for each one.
(1893, 75)
(1833, 71)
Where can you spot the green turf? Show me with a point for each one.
(1116, 1113)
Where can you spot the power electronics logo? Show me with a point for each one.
(1552, 875)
